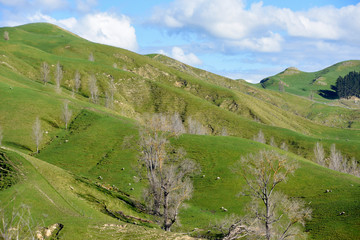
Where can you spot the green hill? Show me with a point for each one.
(321, 83)
(83, 177)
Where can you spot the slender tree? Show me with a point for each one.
(271, 214)
(45, 71)
(66, 114)
(319, 154)
(37, 133)
(260, 137)
(58, 76)
(93, 88)
(109, 94)
(91, 57)
(6, 36)
(77, 81)
(195, 127)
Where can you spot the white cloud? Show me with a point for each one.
(107, 29)
(102, 28)
(179, 54)
(271, 43)
(230, 21)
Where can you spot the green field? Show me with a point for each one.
(87, 177)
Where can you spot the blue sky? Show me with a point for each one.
(246, 39)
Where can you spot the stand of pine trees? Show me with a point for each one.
(348, 85)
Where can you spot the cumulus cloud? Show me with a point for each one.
(102, 28)
(232, 22)
(179, 54)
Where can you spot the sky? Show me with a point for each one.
(240, 39)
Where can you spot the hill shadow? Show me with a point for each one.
(328, 94)
(18, 146)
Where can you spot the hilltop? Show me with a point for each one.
(320, 84)
(86, 177)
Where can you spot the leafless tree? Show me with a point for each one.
(58, 76)
(165, 123)
(37, 133)
(335, 159)
(1, 135)
(91, 57)
(167, 172)
(272, 142)
(319, 154)
(45, 71)
(281, 86)
(224, 132)
(93, 88)
(109, 94)
(272, 214)
(17, 224)
(77, 81)
(66, 114)
(6, 36)
(260, 137)
(284, 146)
(195, 127)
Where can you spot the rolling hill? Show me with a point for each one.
(85, 178)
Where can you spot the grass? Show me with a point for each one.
(103, 142)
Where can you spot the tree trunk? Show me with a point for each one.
(166, 212)
(267, 224)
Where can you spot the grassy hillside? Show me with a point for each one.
(320, 82)
(93, 164)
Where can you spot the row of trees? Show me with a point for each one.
(349, 85)
(76, 83)
(335, 160)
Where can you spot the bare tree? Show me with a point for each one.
(109, 94)
(281, 86)
(93, 88)
(335, 159)
(272, 214)
(260, 137)
(165, 123)
(45, 71)
(6, 36)
(66, 114)
(37, 133)
(77, 81)
(195, 127)
(1, 135)
(17, 224)
(319, 154)
(167, 172)
(224, 131)
(284, 146)
(91, 57)
(58, 76)
(272, 142)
